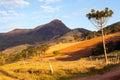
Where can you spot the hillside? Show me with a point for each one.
(15, 50)
(83, 49)
(75, 66)
(60, 46)
(74, 35)
(55, 31)
(76, 50)
(39, 34)
(113, 28)
(18, 31)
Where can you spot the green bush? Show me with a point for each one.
(56, 52)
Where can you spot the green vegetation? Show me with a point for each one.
(24, 54)
(56, 52)
(40, 70)
(90, 35)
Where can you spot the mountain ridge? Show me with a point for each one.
(41, 33)
(55, 30)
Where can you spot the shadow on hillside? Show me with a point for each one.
(85, 52)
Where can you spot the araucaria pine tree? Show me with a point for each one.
(99, 19)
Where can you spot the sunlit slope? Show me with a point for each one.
(15, 50)
(60, 46)
(89, 43)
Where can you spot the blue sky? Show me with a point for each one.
(27, 14)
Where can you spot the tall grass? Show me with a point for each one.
(63, 70)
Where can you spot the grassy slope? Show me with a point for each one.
(60, 46)
(74, 51)
(83, 49)
(61, 68)
(15, 50)
(88, 43)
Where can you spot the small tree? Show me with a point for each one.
(99, 19)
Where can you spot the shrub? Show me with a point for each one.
(98, 49)
(38, 71)
(56, 52)
(20, 70)
(110, 46)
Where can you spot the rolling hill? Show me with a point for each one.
(83, 49)
(76, 50)
(53, 32)
(39, 34)
(69, 62)
(74, 35)
(70, 52)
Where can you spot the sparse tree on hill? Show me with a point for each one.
(99, 19)
(76, 37)
(42, 49)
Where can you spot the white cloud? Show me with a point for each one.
(5, 19)
(14, 13)
(9, 13)
(13, 3)
(48, 6)
(50, 9)
(49, 1)
(72, 15)
(3, 13)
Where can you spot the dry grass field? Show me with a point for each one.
(61, 46)
(62, 70)
(77, 50)
(66, 66)
(83, 48)
(15, 49)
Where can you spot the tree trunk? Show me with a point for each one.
(103, 40)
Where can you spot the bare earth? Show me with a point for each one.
(114, 74)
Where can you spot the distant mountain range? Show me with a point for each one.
(54, 30)
(39, 34)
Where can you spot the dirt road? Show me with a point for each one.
(114, 74)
